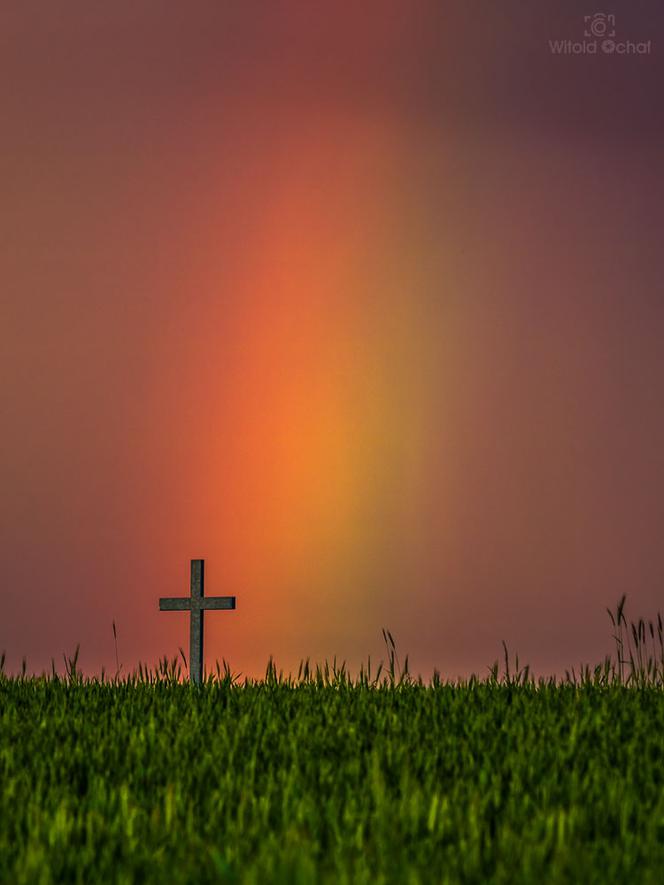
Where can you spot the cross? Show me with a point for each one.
(196, 604)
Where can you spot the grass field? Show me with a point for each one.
(328, 779)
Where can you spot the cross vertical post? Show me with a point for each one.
(196, 604)
(196, 621)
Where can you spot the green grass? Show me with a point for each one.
(325, 778)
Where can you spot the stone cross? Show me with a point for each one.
(196, 605)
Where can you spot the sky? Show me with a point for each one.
(359, 302)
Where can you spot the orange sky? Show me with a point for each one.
(360, 304)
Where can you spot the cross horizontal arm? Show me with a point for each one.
(217, 603)
(174, 604)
